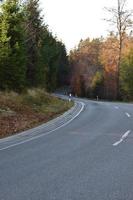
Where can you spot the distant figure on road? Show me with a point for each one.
(70, 97)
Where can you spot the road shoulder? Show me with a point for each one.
(44, 129)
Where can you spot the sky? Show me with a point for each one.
(73, 20)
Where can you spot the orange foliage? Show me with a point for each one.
(109, 58)
(84, 64)
(98, 55)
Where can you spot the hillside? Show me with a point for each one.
(21, 112)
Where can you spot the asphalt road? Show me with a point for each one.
(90, 158)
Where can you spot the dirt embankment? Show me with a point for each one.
(21, 112)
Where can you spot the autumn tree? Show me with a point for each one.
(85, 63)
(121, 18)
(109, 60)
(76, 73)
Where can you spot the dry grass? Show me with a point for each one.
(21, 112)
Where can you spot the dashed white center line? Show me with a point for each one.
(126, 135)
(122, 138)
(118, 142)
(127, 114)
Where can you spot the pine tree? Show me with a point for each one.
(63, 66)
(33, 28)
(49, 53)
(29, 54)
(12, 49)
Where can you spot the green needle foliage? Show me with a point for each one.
(29, 54)
(12, 48)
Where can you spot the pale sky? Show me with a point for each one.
(72, 20)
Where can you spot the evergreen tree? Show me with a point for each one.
(12, 49)
(50, 59)
(33, 28)
(63, 66)
(29, 54)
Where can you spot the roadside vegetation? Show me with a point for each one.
(19, 112)
(103, 67)
(30, 57)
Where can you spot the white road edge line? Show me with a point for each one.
(127, 114)
(42, 135)
(122, 138)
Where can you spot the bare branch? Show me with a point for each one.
(122, 19)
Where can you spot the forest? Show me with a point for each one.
(94, 68)
(31, 57)
(103, 67)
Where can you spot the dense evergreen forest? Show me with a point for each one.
(30, 56)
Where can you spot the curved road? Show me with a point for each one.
(90, 158)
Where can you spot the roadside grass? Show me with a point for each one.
(19, 112)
